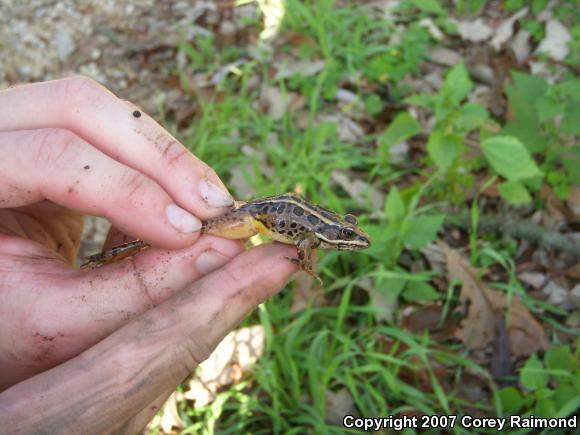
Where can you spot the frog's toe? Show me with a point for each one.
(305, 266)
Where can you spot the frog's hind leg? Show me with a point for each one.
(114, 254)
(234, 225)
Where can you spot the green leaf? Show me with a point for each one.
(394, 206)
(510, 158)
(511, 400)
(373, 104)
(571, 120)
(538, 6)
(514, 193)
(471, 116)
(402, 128)
(457, 84)
(570, 89)
(528, 132)
(443, 149)
(531, 87)
(547, 108)
(430, 6)
(572, 164)
(559, 358)
(422, 230)
(513, 5)
(532, 374)
(422, 100)
(523, 96)
(420, 291)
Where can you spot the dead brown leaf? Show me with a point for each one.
(574, 200)
(338, 405)
(478, 329)
(235, 355)
(359, 190)
(428, 318)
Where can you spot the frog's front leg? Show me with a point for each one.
(304, 260)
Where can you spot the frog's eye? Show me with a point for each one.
(351, 219)
(347, 234)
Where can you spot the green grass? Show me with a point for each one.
(385, 368)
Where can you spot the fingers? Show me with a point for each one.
(121, 131)
(147, 357)
(125, 289)
(57, 165)
(63, 313)
(214, 305)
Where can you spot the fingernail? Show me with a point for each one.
(209, 261)
(214, 195)
(181, 220)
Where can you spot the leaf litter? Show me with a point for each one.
(479, 328)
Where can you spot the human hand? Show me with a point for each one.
(70, 147)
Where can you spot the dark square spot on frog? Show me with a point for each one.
(298, 211)
(312, 219)
(293, 225)
(281, 208)
(282, 224)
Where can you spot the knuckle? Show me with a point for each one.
(231, 278)
(195, 350)
(75, 87)
(172, 152)
(50, 146)
(133, 185)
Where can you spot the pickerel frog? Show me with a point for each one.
(288, 218)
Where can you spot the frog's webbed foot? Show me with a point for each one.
(305, 266)
(304, 260)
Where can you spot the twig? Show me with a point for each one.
(511, 226)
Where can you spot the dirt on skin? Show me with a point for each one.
(129, 46)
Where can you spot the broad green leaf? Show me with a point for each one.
(564, 394)
(514, 192)
(471, 116)
(571, 120)
(560, 357)
(430, 6)
(394, 206)
(571, 89)
(511, 400)
(373, 104)
(533, 375)
(531, 87)
(420, 291)
(422, 230)
(545, 408)
(402, 128)
(572, 164)
(548, 108)
(443, 149)
(523, 96)
(510, 158)
(422, 100)
(457, 84)
(538, 6)
(528, 132)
